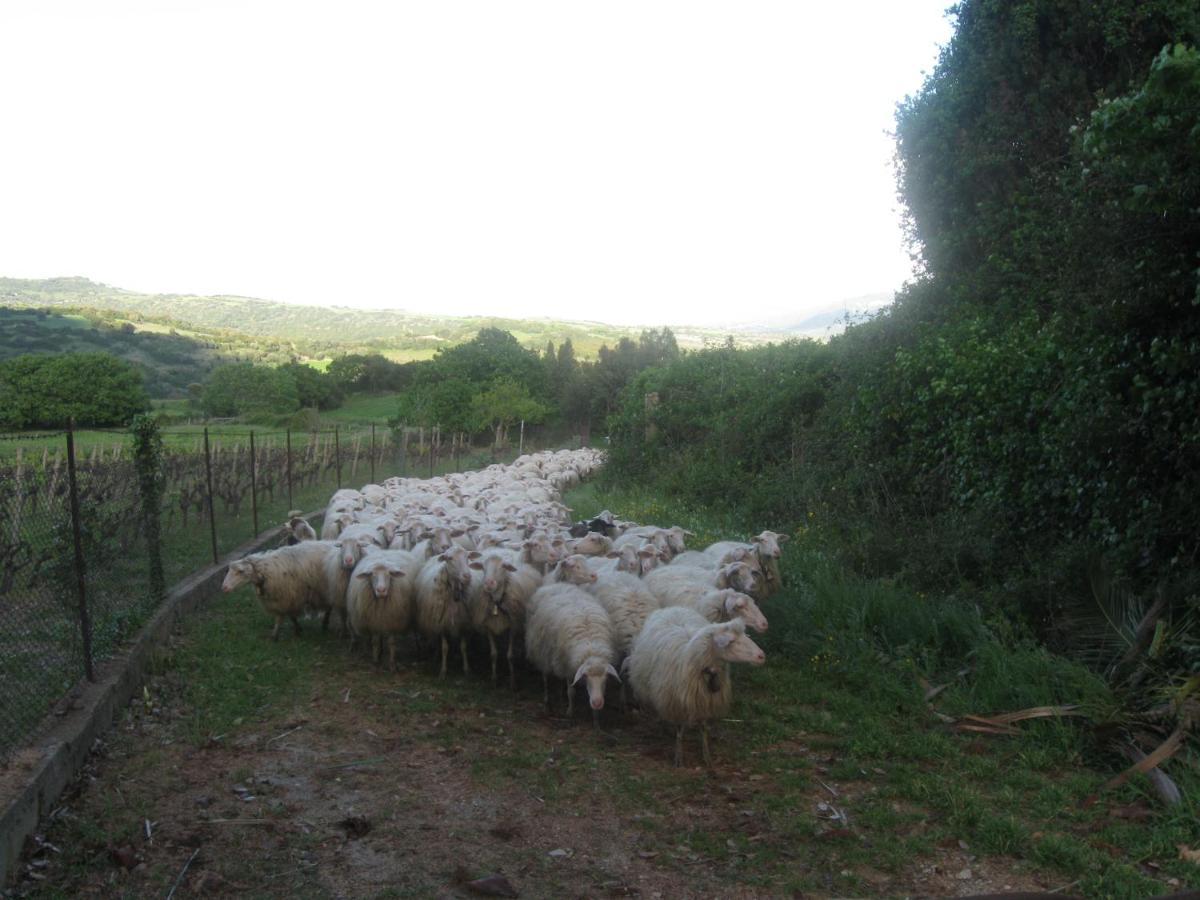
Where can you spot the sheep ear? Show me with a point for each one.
(366, 574)
(579, 673)
(399, 573)
(612, 554)
(473, 554)
(722, 639)
(509, 567)
(611, 671)
(687, 533)
(475, 565)
(781, 538)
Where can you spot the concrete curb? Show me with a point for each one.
(38, 773)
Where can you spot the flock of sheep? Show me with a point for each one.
(492, 553)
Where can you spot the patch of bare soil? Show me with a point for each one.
(381, 785)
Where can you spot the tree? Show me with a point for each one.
(315, 389)
(96, 389)
(501, 404)
(244, 389)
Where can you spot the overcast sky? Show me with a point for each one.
(634, 162)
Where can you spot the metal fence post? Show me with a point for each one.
(521, 445)
(372, 453)
(253, 487)
(212, 518)
(85, 619)
(337, 455)
(289, 468)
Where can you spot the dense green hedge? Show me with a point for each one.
(1027, 414)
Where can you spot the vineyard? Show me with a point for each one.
(73, 588)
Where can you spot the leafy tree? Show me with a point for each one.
(244, 389)
(503, 403)
(315, 389)
(96, 389)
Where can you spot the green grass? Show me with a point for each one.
(847, 659)
(364, 409)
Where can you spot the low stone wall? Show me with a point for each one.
(37, 775)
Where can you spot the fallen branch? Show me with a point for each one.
(182, 872)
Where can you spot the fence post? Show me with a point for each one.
(521, 445)
(254, 487)
(372, 453)
(212, 518)
(148, 462)
(289, 468)
(337, 455)
(432, 441)
(85, 619)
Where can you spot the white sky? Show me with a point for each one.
(634, 162)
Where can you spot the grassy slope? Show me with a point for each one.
(832, 723)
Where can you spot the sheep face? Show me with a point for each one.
(240, 572)
(768, 544)
(380, 576)
(597, 677)
(574, 570)
(739, 577)
(649, 558)
(350, 552)
(494, 579)
(676, 537)
(593, 544)
(739, 606)
(457, 564)
(733, 645)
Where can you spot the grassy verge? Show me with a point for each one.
(853, 659)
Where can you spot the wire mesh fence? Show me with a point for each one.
(77, 575)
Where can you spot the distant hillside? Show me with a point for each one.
(324, 331)
(170, 361)
(177, 339)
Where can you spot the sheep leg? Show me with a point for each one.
(462, 647)
(445, 656)
(296, 625)
(624, 703)
(495, 656)
(570, 700)
(512, 674)
(392, 652)
(704, 744)
(325, 619)
(596, 719)
(546, 691)
(376, 648)
(679, 746)
(275, 630)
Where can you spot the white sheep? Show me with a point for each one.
(679, 667)
(287, 581)
(628, 603)
(442, 601)
(298, 529)
(761, 554)
(379, 597)
(572, 569)
(337, 566)
(724, 605)
(500, 593)
(568, 635)
(669, 583)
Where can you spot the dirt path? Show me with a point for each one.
(372, 784)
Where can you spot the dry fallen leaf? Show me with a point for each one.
(1189, 855)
